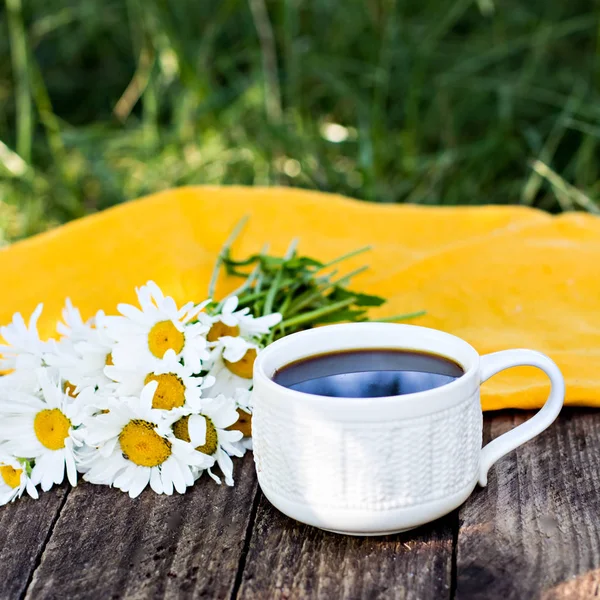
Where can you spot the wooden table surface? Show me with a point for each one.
(534, 532)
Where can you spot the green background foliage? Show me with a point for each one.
(425, 101)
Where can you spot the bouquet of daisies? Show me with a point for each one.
(154, 396)
(158, 394)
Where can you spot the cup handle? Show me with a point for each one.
(498, 361)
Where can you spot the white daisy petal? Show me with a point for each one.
(155, 481)
(124, 479)
(214, 477)
(230, 305)
(197, 430)
(31, 490)
(131, 312)
(24, 348)
(140, 481)
(167, 478)
(178, 478)
(71, 469)
(226, 465)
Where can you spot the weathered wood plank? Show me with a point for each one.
(105, 545)
(535, 531)
(289, 560)
(24, 529)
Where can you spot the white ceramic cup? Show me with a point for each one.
(374, 466)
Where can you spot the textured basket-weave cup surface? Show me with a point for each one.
(374, 465)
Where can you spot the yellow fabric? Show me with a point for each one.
(500, 277)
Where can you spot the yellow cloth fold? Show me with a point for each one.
(500, 277)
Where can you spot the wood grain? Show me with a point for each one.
(535, 531)
(25, 526)
(289, 560)
(105, 545)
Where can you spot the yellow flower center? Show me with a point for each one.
(243, 367)
(142, 445)
(51, 428)
(69, 389)
(165, 336)
(109, 361)
(243, 424)
(219, 329)
(12, 477)
(170, 392)
(181, 431)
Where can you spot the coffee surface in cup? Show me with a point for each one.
(368, 373)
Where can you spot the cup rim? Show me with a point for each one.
(263, 377)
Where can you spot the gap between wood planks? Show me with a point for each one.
(40, 554)
(242, 564)
(454, 560)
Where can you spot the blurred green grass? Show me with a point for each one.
(428, 101)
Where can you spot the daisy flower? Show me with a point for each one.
(80, 365)
(243, 404)
(81, 354)
(81, 357)
(14, 479)
(176, 382)
(243, 400)
(156, 327)
(74, 327)
(231, 364)
(207, 431)
(19, 380)
(136, 447)
(234, 349)
(42, 427)
(24, 350)
(234, 323)
(91, 401)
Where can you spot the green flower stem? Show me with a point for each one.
(346, 278)
(394, 318)
(261, 276)
(270, 299)
(317, 314)
(339, 259)
(254, 296)
(224, 250)
(283, 309)
(247, 285)
(307, 298)
(276, 285)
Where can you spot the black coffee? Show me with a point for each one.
(368, 373)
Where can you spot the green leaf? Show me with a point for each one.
(241, 263)
(342, 316)
(297, 286)
(340, 293)
(300, 262)
(368, 300)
